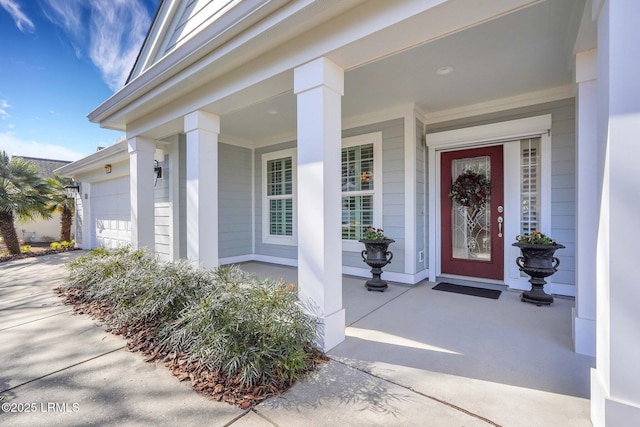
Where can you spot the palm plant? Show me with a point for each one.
(23, 195)
(59, 203)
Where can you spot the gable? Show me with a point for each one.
(179, 21)
(195, 14)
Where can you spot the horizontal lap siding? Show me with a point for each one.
(235, 209)
(562, 171)
(563, 187)
(393, 191)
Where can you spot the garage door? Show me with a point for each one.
(111, 213)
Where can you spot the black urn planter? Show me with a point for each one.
(376, 255)
(537, 261)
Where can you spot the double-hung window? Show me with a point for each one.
(361, 187)
(279, 173)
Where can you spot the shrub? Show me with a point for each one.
(64, 245)
(225, 321)
(25, 249)
(89, 272)
(158, 292)
(253, 331)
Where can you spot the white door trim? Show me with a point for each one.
(484, 135)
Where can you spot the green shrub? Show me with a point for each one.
(25, 249)
(89, 272)
(158, 292)
(254, 332)
(56, 246)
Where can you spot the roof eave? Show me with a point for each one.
(113, 153)
(176, 61)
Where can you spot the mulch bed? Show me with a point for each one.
(34, 253)
(212, 384)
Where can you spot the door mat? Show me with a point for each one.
(467, 290)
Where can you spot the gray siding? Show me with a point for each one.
(393, 190)
(280, 251)
(234, 198)
(421, 199)
(562, 171)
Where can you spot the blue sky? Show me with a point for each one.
(59, 60)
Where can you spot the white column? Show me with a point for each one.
(615, 383)
(319, 86)
(141, 176)
(202, 131)
(83, 221)
(584, 313)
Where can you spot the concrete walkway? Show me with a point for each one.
(398, 367)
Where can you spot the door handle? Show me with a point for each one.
(500, 221)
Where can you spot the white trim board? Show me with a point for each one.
(408, 279)
(490, 134)
(494, 132)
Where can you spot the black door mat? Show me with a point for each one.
(467, 290)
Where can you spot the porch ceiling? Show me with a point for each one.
(529, 50)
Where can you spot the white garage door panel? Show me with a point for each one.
(111, 212)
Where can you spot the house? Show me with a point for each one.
(275, 130)
(41, 230)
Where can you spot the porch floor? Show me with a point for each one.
(501, 361)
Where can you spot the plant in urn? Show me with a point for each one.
(376, 255)
(538, 261)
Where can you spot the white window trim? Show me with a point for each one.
(266, 237)
(374, 138)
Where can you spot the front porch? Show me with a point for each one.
(504, 361)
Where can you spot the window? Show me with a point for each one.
(279, 171)
(361, 186)
(529, 185)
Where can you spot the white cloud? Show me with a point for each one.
(13, 145)
(22, 21)
(115, 33)
(3, 108)
(66, 14)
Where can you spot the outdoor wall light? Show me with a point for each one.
(107, 168)
(157, 170)
(71, 190)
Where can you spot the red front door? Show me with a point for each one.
(473, 232)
